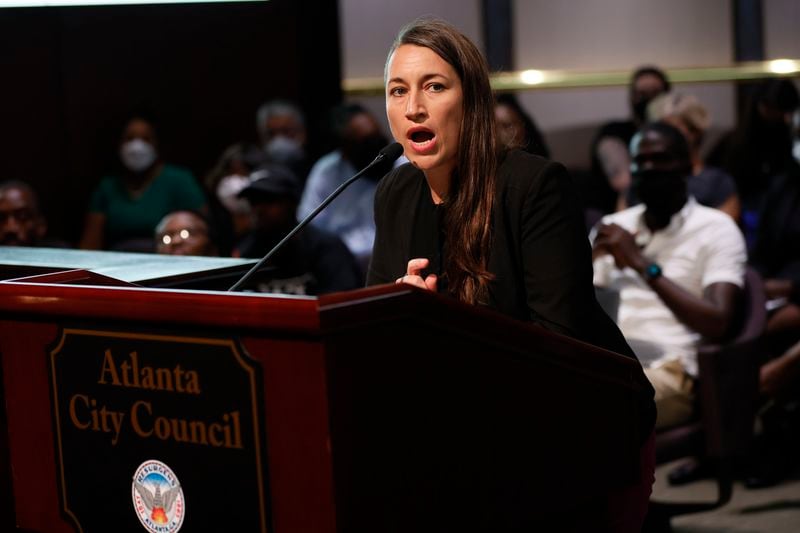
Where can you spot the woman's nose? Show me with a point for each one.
(414, 106)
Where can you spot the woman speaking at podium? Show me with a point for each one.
(488, 226)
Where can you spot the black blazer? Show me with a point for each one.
(540, 255)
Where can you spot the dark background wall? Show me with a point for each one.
(70, 76)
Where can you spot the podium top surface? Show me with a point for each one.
(152, 270)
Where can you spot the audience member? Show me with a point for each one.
(759, 149)
(282, 131)
(516, 128)
(776, 251)
(227, 212)
(350, 216)
(775, 454)
(607, 191)
(711, 186)
(126, 207)
(185, 233)
(678, 267)
(21, 221)
(776, 255)
(313, 261)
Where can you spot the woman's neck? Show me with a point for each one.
(439, 183)
(137, 183)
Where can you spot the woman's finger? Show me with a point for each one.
(413, 280)
(430, 282)
(415, 266)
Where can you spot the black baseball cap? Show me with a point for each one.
(272, 181)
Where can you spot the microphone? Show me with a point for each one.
(388, 154)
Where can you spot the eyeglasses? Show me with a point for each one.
(184, 234)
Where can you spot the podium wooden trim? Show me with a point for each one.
(386, 408)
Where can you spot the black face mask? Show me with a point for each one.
(662, 191)
(361, 154)
(640, 109)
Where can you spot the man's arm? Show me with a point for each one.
(710, 315)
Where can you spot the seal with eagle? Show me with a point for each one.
(158, 504)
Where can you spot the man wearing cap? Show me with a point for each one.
(313, 261)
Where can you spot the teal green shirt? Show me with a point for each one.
(136, 218)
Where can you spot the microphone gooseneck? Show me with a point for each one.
(389, 153)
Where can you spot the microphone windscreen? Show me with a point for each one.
(391, 152)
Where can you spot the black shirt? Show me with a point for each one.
(428, 239)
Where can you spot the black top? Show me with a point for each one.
(711, 187)
(776, 253)
(540, 255)
(428, 239)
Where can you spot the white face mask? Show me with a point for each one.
(137, 155)
(228, 189)
(282, 149)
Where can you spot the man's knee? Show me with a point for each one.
(674, 393)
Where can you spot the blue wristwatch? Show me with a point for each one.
(653, 271)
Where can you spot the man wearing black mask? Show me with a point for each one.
(678, 268)
(350, 216)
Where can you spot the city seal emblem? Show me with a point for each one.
(158, 497)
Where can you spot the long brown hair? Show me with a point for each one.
(468, 207)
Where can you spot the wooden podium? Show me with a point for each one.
(382, 409)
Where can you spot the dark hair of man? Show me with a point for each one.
(24, 187)
(676, 144)
(649, 70)
(468, 207)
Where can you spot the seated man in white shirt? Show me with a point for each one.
(678, 267)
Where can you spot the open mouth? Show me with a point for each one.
(421, 138)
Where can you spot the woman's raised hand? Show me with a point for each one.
(413, 275)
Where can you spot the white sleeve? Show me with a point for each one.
(603, 264)
(725, 255)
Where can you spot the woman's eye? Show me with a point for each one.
(397, 91)
(436, 87)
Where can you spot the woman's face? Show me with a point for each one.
(424, 103)
(139, 129)
(510, 128)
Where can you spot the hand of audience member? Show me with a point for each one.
(777, 288)
(621, 244)
(413, 275)
(779, 373)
